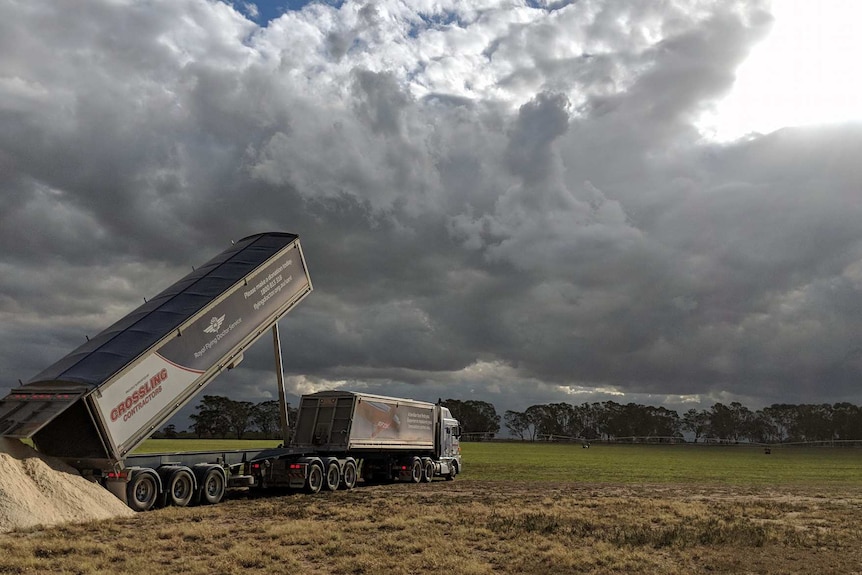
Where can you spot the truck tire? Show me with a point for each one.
(142, 490)
(427, 470)
(453, 471)
(212, 487)
(416, 470)
(349, 474)
(181, 487)
(314, 481)
(333, 476)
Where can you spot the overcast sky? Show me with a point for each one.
(513, 201)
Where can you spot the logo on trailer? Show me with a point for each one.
(139, 397)
(215, 324)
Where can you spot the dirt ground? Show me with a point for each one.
(471, 527)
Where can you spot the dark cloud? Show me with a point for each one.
(505, 205)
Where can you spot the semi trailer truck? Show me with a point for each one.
(96, 405)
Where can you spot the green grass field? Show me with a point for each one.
(562, 462)
(173, 445)
(517, 508)
(733, 465)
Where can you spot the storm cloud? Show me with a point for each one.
(505, 201)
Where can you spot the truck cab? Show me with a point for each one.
(449, 443)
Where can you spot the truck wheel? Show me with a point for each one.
(314, 481)
(142, 490)
(453, 471)
(427, 471)
(333, 476)
(416, 470)
(349, 479)
(213, 486)
(181, 487)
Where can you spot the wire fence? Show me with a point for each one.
(660, 440)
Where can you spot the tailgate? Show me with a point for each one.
(25, 411)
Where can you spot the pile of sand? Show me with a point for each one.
(40, 490)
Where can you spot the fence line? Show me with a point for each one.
(663, 440)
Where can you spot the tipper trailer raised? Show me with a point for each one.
(94, 406)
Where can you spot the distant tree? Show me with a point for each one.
(554, 419)
(636, 420)
(198, 427)
(814, 422)
(730, 422)
(170, 431)
(517, 423)
(847, 421)
(218, 416)
(563, 420)
(721, 423)
(209, 419)
(743, 420)
(660, 422)
(266, 417)
(474, 416)
(763, 428)
(238, 414)
(588, 419)
(535, 415)
(617, 420)
(696, 422)
(782, 418)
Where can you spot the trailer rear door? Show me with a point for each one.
(25, 411)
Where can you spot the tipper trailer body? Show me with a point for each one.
(94, 406)
(350, 435)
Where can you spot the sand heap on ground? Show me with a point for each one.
(40, 490)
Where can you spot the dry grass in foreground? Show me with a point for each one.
(471, 527)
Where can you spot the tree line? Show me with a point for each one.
(778, 423)
(220, 417)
